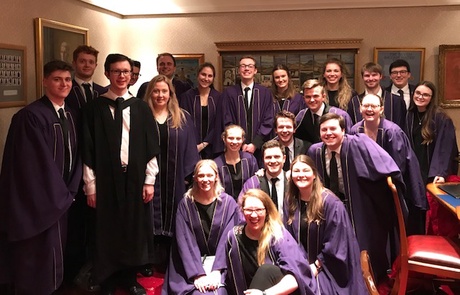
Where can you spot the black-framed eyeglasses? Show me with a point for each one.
(120, 72)
(136, 74)
(395, 73)
(424, 95)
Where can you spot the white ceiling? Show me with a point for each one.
(134, 8)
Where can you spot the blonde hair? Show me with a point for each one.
(218, 189)
(176, 113)
(273, 226)
(315, 204)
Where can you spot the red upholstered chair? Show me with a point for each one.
(368, 273)
(435, 255)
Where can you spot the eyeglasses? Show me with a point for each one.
(395, 73)
(258, 211)
(424, 95)
(368, 105)
(136, 74)
(243, 66)
(120, 72)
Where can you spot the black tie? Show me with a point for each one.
(246, 97)
(65, 133)
(119, 114)
(88, 93)
(274, 193)
(287, 163)
(401, 93)
(333, 175)
(316, 127)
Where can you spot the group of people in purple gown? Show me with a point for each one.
(249, 191)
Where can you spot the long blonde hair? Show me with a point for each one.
(315, 204)
(273, 227)
(345, 91)
(176, 113)
(218, 189)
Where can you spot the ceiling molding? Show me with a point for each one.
(288, 45)
(169, 8)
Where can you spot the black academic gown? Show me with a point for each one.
(123, 227)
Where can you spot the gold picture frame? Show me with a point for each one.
(55, 40)
(13, 76)
(449, 76)
(187, 66)
(414, 56)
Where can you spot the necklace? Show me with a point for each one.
(420, 119)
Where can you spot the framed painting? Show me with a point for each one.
(55, 41)
(304, 58)
(414, 56)
(187, 66)
(12, 76)
(449, 76)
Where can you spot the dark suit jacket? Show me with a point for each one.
(300, 147)
(76, 98)
(411, 91)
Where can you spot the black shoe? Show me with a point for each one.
(137, 289)
(146, 271)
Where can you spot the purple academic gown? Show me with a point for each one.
(442, 152)
(293, 105)
(190, 101)
(191, 244)
(393, 140)
(332, 241)
(249, 167)
(181, 158)
(35, 198)
(394, 108)
(284, 253)
(304, 121)
(365, 167)
(262, 114)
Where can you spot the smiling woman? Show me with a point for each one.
(203, 219)
(204, 104)
(262, 257)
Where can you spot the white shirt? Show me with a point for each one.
(406, 91)
(152, 166)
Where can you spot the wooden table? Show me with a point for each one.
(449, 202)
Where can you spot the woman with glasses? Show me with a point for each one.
(204, 105)
(319, 222)
(177, 159)
(393, 140)
(235, 166)
(204, 217)
(262, 257)
(334, 80)
(432, 135)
